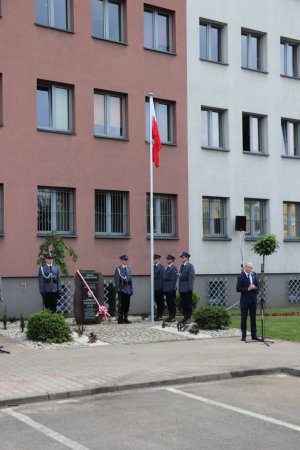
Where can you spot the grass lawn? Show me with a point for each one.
(282, 327)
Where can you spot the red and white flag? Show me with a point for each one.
(156, 143)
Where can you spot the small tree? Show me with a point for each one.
(55, 243)
(264, 246)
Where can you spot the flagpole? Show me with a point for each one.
(151, 209)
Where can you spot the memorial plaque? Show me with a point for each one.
(85, 306)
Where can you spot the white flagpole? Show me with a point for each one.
(151, 107)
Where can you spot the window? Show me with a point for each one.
(108, 19)
(1, 101)
(252, 50)
(54, 107)
(1, 210)
(291, 220)
(290, 137)
(53, 13)
(164, 215)
(289, 59)
(164, 112)
(214, 217)
(211, 37)
(109, 114)
(212, 128)
(55, 210)
(253, 133)
(255, 212)
(111, 213)
(158, 30)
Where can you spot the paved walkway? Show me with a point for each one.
(142, 357)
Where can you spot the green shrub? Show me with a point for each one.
(48, 327)
(212, 317)
(195, 300)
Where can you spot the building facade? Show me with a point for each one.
(74, 144)
(243, 138)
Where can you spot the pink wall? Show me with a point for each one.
(29, 158)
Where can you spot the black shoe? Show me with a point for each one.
(243, 339)
(126, 321)
(158, 319)
(255, 338)
(170, 319)
(186, 322)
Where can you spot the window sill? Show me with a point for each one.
(111, 236)
(167, 238)
(252, 238)
(291, 156)
(291, 239)
(54, 28)
(245, 152)
(290, 77)
(72, 236)
(255, 70)
(216, 238)
(109, 40)
(160, 51)
(49, 130)
(98, 136)
(170, 144)
(214, 62)
(217, 149)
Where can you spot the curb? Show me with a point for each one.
(13, 402)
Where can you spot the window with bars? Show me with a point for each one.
(55, 210)
(214, 217)
(289, 59)
(54, 107)
(53, 14)
(291, 220)
(158, 30)
(108, 19)
(256, 222)
(164, 215)
(109, 114)
(211, 37)
(111, 213)
(164, 112)
(290, 137)
(1, 210)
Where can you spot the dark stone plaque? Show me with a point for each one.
(85, 306)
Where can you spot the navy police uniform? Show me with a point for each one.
(186, 284)
(124, 288)
(159, 274)
(49, 282)
(169, 287)
(248, 302)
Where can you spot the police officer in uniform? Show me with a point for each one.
(170, 282)
(186, 284)
(159, 273)
(123, 284)
(49, 282)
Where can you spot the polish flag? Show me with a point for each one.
(155, 135)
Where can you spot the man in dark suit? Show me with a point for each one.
(169, 287)
(247, 285)
(159, 275)
(49, 282)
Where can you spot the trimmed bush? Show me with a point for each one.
(195, 300)
(212, 317)
(48, 327)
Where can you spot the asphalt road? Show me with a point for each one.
(261, 412)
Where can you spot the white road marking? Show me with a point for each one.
(234, 408)
(45, 430)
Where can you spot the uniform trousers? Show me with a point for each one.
(171, 303)
(187, 304)
(50, 300)
(160, 303)
(123, 306)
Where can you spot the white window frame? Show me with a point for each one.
(251, 220)
(291, 221)
(51, 18)
(106, 29)
(53, 192)
(290, 137)
(52, 88)
(108, 197)
(155, 38)
(210, 221)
